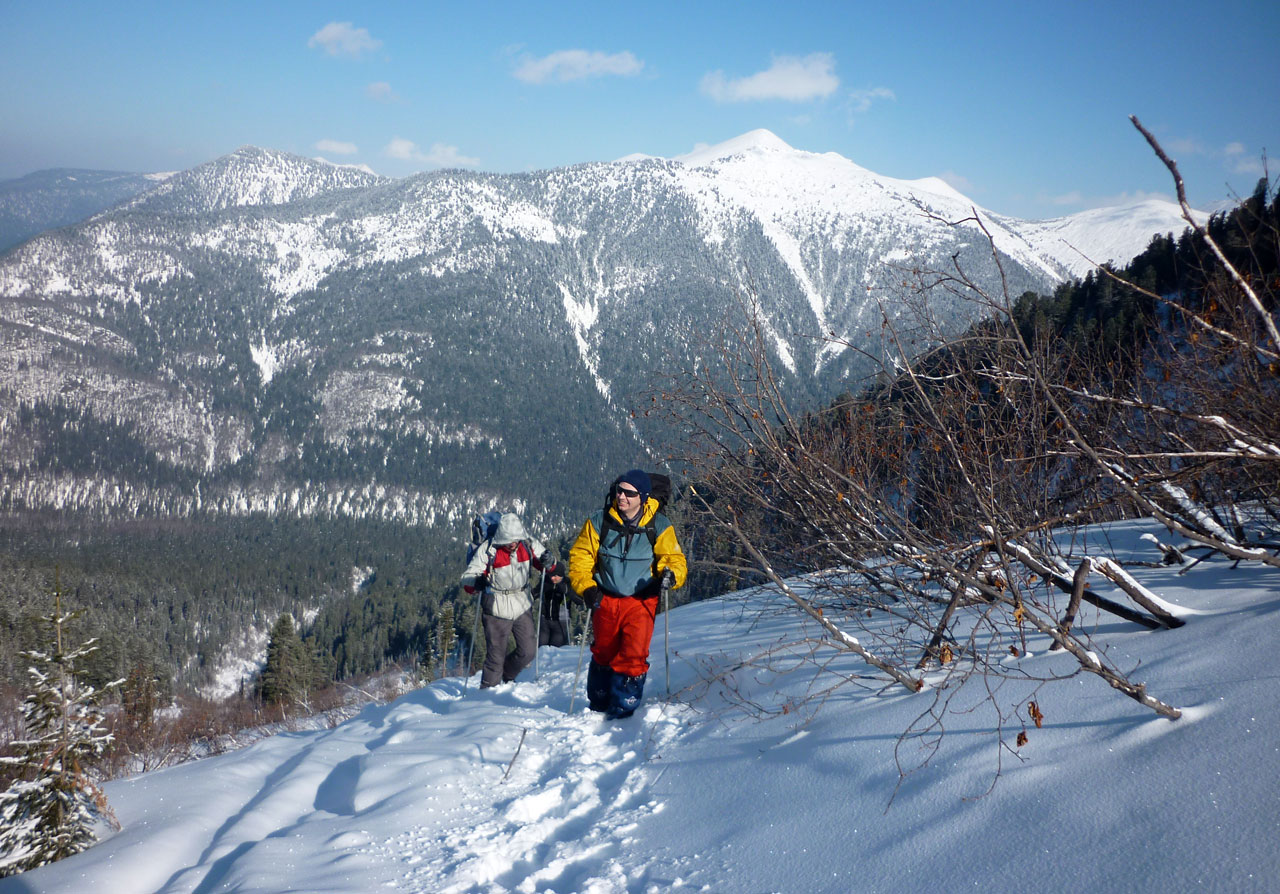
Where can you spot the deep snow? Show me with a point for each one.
(700, 793)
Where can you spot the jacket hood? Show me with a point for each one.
(510, 530)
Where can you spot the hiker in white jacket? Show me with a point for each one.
(500, 572)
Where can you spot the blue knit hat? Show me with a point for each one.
(637, 478)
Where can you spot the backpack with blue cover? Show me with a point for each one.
(483, 527)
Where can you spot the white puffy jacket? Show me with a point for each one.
(507, 593)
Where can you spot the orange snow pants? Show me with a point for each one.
(623, 628)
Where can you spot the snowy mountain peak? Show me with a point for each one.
(253, 176)
(754, 142)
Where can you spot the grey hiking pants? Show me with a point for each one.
(499, 667)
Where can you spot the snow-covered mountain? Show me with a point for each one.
(1080, 242)
(54, 198)
(252, 176)
(777, 181)
(295, 336)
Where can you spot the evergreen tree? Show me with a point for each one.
(140, 698)
(52, 807)
(425, 667)
(446, 637)
(289, 674)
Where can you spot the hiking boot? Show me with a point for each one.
(625, 696)
(599, 684)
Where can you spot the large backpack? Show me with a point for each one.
(483, 527)
(660, 489)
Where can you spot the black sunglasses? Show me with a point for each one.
(624, 492)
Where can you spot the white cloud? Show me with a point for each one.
(1130, 197)
(338, 164)
(1247, 165)
(1234, 155)
(439, 155)
(790, 78)
(380, 91)
(336, 147)
(574, 65)
(862, 99)
(401, 148)
(343, 39)
(1240, 162)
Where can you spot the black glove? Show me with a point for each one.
(547, 559)
(481, 583)
(668, 579)
(591, 598)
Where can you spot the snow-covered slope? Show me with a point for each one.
(60, 196)
(777, 182)
(1082, 241)
(252, 176)
(754, 776)
(811, 204)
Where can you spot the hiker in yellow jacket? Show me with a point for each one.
(618, 565)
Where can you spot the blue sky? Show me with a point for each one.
(1022, 106)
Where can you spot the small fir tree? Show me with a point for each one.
(53, 806)
(446, 638)
(140, 698)
(290, 672)
(427, 663)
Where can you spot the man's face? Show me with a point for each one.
(628, 497)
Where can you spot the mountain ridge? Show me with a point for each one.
(234, 301)
(310, 176)
(252, 176)
(57, 197)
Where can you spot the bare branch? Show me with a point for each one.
(1267, 319)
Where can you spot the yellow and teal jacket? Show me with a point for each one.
(626, 560)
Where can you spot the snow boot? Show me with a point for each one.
(599, 685)
(625, 696)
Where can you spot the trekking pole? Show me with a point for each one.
(666, 627)
(537, 625)
(578, 673)
(475, 628)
